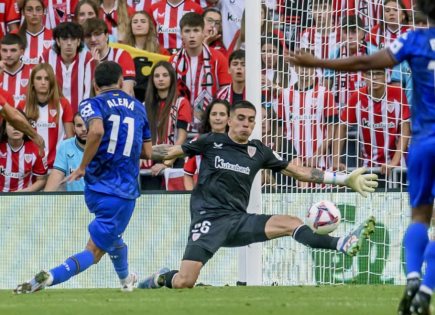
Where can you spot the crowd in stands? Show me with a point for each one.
(185, 60)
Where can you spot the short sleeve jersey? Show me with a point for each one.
(115, 167)
(227, 171)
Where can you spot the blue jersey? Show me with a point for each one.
(68, 158)
(115, 168)
(418, 48)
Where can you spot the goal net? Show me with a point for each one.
(336, 121)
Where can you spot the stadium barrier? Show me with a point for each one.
(40, 230)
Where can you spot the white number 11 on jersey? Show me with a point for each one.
(115, 119)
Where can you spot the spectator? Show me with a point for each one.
(14, 74)
(68, 158)
(36, 36)
(201, 70)
(167, 15)
(213, 29)
(382, 114)
(268, 29)
(72, 65)
(59, 11)
(238, 41)
(309, 113)
(232, 12)
(85, 9)
(235, 92)
(97, 40)
(420, 20)
(169, 114)
(353, 43)
(116, 14)
(9, 17)
(215, 120)
(49, 113)
(21, 167)
(141, 5)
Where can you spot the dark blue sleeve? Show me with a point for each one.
(146, 132)
(90, 109)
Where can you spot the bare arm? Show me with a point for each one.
(379, 60)
(54, 180)
(305, 174)
(37, 185)
(188, 182)
(147, 150)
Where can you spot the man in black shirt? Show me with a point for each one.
(219, 201)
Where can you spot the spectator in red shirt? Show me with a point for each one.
(116, 14)
(9, 17)
(49, 113)
(201, 71)
(21, 167)
(213, 29)
(97, 40)
(85, 9)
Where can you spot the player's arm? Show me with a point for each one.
(380, 60)
(93, 141)
(19, 122)
(359, 182)
(147, 150)
(167, 152)
(54, 180)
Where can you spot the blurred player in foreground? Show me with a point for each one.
(418, 49)
(220, 198)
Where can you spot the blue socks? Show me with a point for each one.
(119, 259)
(429, 257)
(415, 242)
(72, 266)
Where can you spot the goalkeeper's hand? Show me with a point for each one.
(362, 183)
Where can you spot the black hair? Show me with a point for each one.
(13, 39)
(236, 54)
(3, 133)
(206, 126)
(94, 25)
(192, 19)
(428, 8)
(107, 73)
(242, 104)
(352, 22)
(211, 9)
(67, 30)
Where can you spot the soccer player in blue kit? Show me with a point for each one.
(118, 136)
(418, 49)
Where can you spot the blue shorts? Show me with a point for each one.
(112, 215)
(421, 172)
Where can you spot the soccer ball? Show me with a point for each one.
(323, 217)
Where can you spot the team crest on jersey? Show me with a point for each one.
(195, 236)
(24, 82)
(251, 151)
(47, 44)
(28, 158)
(53, 112)
(390, 107)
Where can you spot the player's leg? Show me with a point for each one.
(286, 225)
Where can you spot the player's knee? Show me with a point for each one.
(96, 252)
(183, 282)
(422, 214)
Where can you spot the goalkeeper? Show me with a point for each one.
(219, 201)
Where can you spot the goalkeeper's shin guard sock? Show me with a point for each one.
(119, 259)
(415, 241)
(304, 235)
(72, 266)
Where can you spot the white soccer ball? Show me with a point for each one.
(323, 217)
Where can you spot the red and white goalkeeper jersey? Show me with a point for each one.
(50, 126)
(16, 83)
(124, 59)
(167, 18)
(9, 14)
(59, 11)
(75, 81)
(141, 5)
(36, 45)
(383, 39)
(322, 42)
(305, 115)
(19, 168)
(111, 19)
(379, 122)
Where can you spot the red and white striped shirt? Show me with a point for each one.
(167, 18)
(111, 19)
(9, 14)
(322, 43)
(379, 122)
(74, 80)
(50, 126)
(227, 93)
(124, 59)
(141, 5)
(36, 45)
(16, 83)
(59, 11)
(204, 3)
(383, 39)
(305, 115)
(19, 168)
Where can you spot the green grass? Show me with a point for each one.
(334, 300)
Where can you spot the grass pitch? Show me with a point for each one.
(333, 300)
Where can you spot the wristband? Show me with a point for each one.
(334, 178)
